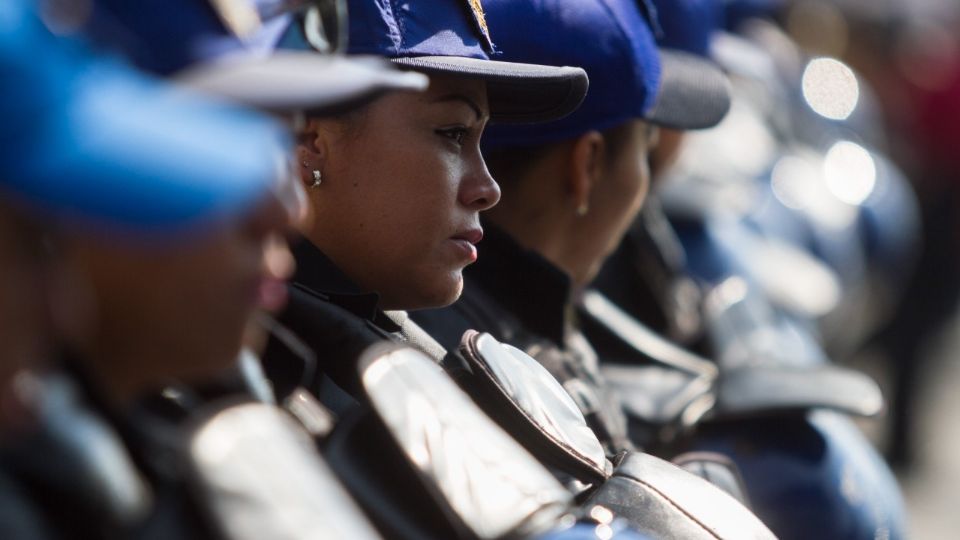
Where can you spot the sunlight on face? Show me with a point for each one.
(399, 208)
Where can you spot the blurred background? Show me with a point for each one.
(889, 72)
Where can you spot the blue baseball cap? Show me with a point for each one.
(689, 25)
(227, 48)
(452, 37)
(92, 142)
(629, 77)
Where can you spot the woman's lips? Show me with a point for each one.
(472, 236)
(277, 267)
(271, 294)
(465, 241)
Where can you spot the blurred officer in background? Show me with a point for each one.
(793, 454)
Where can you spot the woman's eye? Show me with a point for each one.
(457, 134)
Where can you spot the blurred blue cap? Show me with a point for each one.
(629, 78)
(91, 140)
(166, 36)
(688, 25)
(227, 48)
(736, 12)
(452, 37)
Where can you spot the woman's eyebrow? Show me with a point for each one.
(463, 99)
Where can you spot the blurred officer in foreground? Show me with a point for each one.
(162, 225)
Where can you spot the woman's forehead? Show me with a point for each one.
(469, 90)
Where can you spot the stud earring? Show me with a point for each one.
(582, 210)
(317, 179)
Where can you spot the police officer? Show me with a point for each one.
(572, 187)
(396, 187)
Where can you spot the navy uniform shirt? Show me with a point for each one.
(522, 299)
(337, 321)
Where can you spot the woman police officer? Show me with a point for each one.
(396, 187)
(572, 187)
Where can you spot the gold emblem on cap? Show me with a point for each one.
(478, 14)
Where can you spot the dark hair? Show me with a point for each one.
(350, 122)
(510, 164)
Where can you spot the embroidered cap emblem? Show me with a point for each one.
(477, 9)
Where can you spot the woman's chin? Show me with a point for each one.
(454, 292)
(440, 292)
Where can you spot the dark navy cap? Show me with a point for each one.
(452, 37)
(629, 78)
(93, 142)
(194, 40)
(687, 28)
(736, 12)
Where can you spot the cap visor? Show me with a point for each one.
(294, 80)
(694, 93)
(517, 93)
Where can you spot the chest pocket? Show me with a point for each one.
(475, 472)
(281, 490)
(528, 402)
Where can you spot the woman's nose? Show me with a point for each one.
(480, 192)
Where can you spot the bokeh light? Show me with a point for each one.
(830, 88)
(850, 172)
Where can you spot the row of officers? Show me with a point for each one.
(255, 287)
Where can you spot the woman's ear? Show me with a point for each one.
(313, 147)
(586, 168)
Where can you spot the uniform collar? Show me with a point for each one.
(321, 276)
(524, 282)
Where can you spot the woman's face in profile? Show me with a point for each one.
(403, 186)
(617, 198)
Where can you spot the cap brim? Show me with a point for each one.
(694, 93)
(295, 80)
(517, 93)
